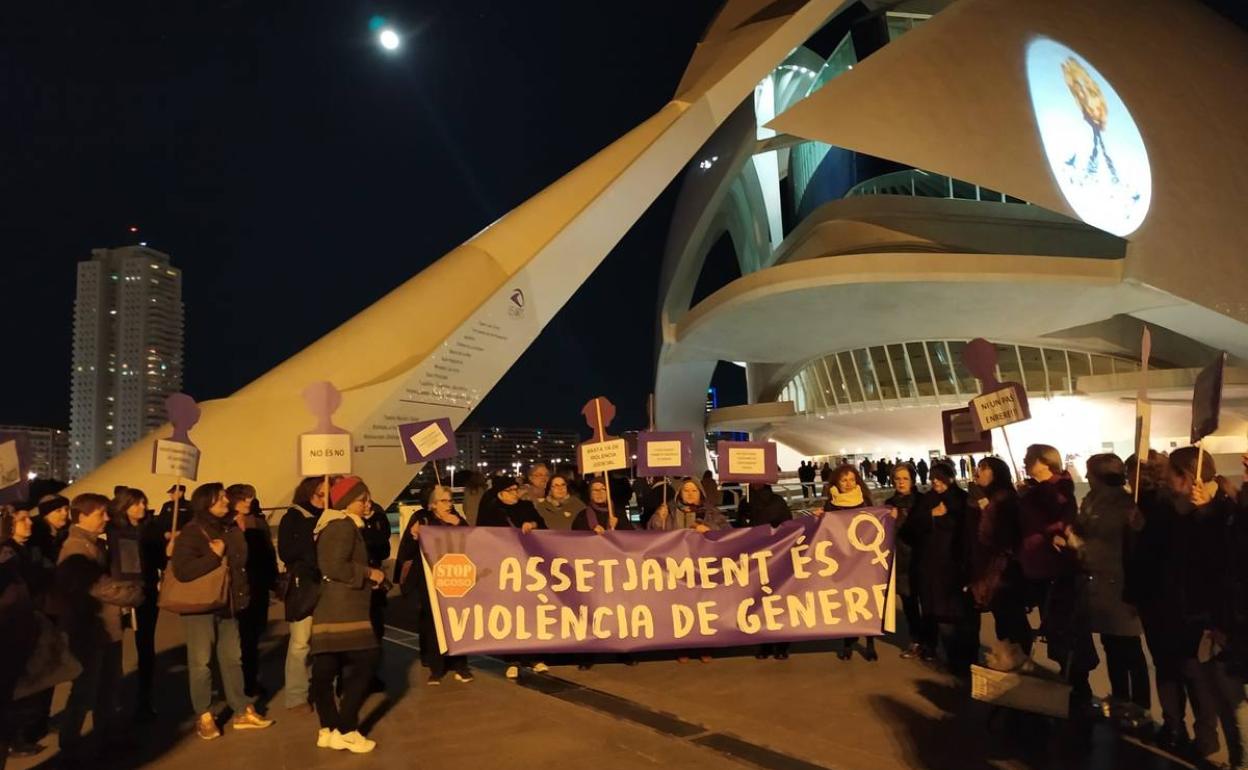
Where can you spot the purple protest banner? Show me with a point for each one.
(749, 461)
(497, 590)
(664, 453)
(14, 467)
(428, 440)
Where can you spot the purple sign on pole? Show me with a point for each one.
(749, 461)
(495, 590)
(664, 453)
(427, 440)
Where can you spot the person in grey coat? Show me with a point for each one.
(1098, 535)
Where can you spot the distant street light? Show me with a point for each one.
(389, 39)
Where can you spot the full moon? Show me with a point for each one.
(389, 39)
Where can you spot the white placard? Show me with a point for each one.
(324, 454)
(173, 458)
(1143, 429)
(665, 454)
(998, 408)
(10, 465)
(429, 440)
(747, 461)
(604, 456)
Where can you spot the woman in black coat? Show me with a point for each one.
(409, 575)
(922, 632)
(996, 579)
(938, 524)
(136, 546)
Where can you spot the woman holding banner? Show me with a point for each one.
(902, 501)
(409, 575)
(688, 511)
(559, 508)
(847, 492)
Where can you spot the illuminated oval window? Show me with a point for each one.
(1094, 148)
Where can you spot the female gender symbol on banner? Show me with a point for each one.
(881, 554)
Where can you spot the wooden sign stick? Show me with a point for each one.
(1200, 461)
(173, 527)
(437, 476)
(606, 475)
(1010, 451)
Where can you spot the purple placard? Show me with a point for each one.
(741, 467)
(16, 489)
(420, 431)
(648, 437)
(961, 436)
(496, 590)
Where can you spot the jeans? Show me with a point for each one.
(297, 662)
(146, 615)
(1128, 670)
(1217, 697)
(356, 670)
(202, 632)
(94, 690)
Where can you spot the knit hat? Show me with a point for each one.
(499, 483)
(52, 503)
(346, 490)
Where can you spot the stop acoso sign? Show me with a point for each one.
(454, 575)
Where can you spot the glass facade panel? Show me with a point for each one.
(963, 190)
(1007, 364)
(965, 381)
(879, 358)
(1124, 365)
(942, 367)
(838, 382)
(1102, 365)
(851, 379)
(1059, 379)
(905, 385)
(866, 369)
(918, 364)
(1033, 368)
(1079, 367)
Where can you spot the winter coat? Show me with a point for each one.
(559, 514)
(89, 601)
(903, 564)
(943, 567)
(413, 583)
(495, 513)
(295, 543)
(1046, 509)
(653, 498)
(45, 543)
(193, 557)
(591, 516)
(17, 618)
(1203, 542)
(764, 507)
(340, 622)
(376, 534)
(686, 517)
(1101, 527)
(261, 556)
(994, 543)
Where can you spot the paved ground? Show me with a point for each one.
(812, 711)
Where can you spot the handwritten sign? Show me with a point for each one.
(322, 454)
(599, 456)
(999, 408)
(748, 461)
(961, 436)
(428, 440)
(174, 458)
(664, 453)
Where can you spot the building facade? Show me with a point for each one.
(128, 351)
(49, 450)
(510, 450)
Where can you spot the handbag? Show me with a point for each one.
(50, 663)
(303, 590)
(205, 593)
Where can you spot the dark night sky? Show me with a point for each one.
(295, 172)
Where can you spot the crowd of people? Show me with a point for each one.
(1169, 569)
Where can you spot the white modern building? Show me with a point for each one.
(128, 327)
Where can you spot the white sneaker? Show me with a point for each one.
(352, 742)
(322, 737)
(540, 668)
(512, 672)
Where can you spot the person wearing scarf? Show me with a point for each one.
(597, 516)
(922, 635)
(559, 507)
(847, 492)
(342, 643)
(688, 511)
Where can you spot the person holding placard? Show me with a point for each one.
(688, 510)
(597, 516)
(343, 645)
(133, 535)
(211, 538)
(297, 548)
(559, 507)
(409, 575)
(502, 507)
(1209, 542)
(848, 492)
(764, 508)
